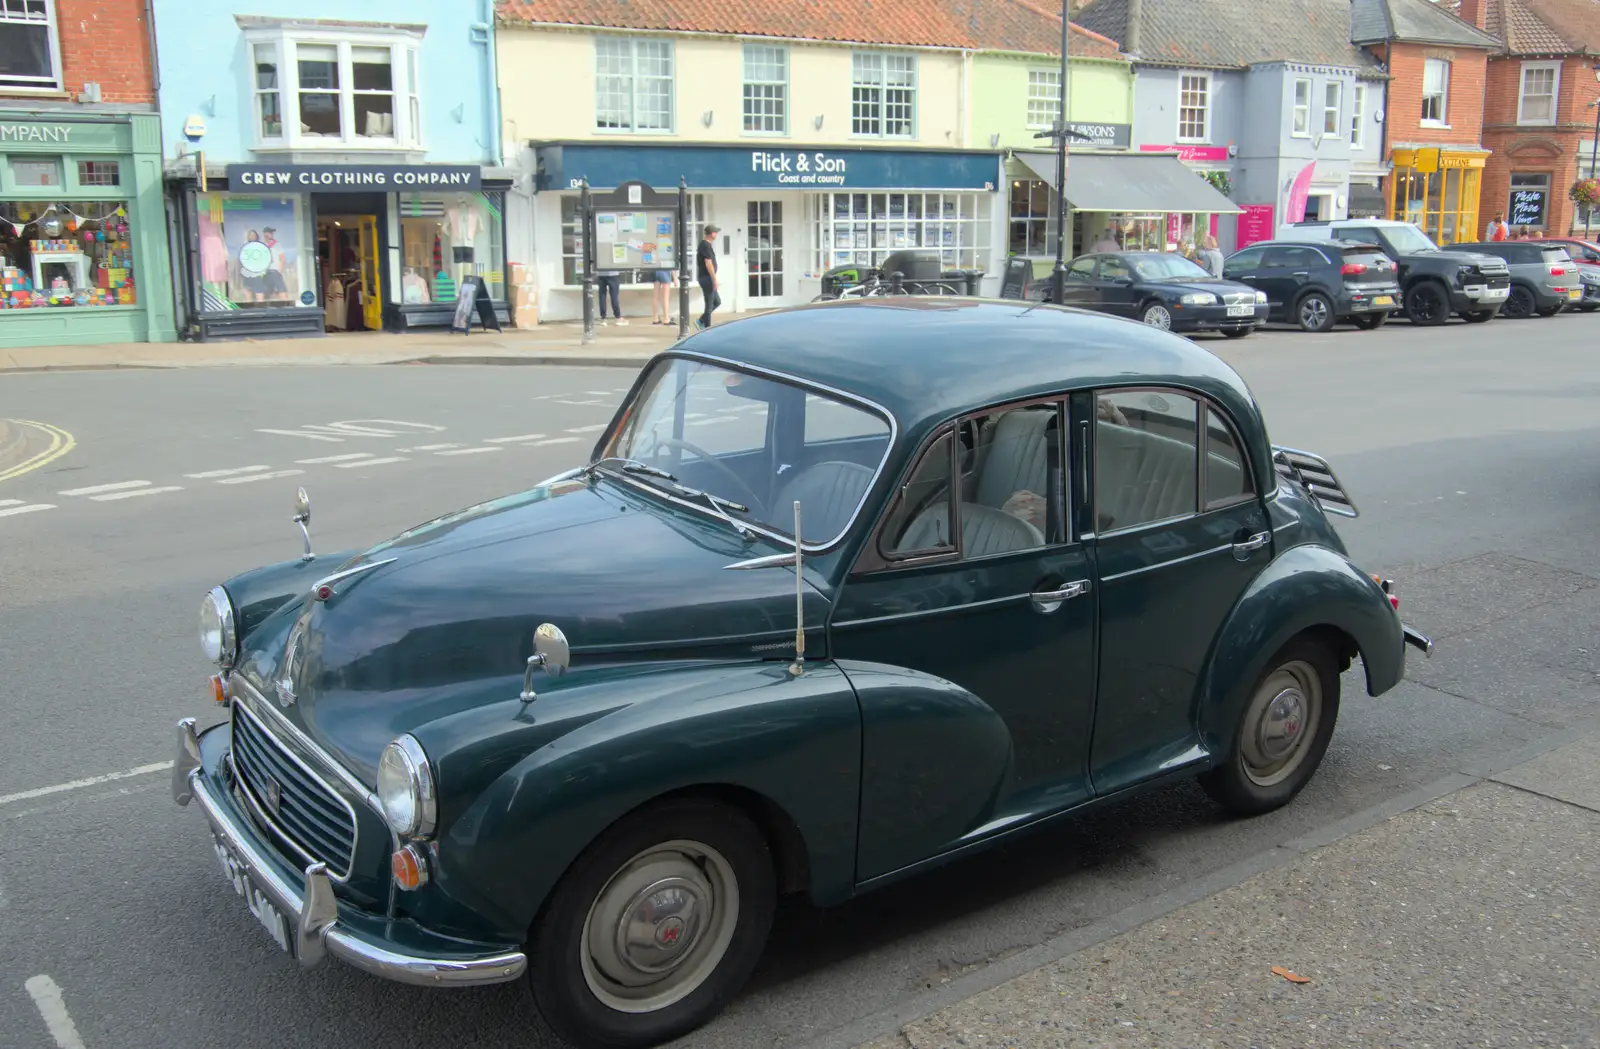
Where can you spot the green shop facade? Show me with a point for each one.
(83, 242)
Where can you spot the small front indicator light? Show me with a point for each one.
(219, 690)
(410, 868)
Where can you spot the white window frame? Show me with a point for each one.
(55, 84)
(1332, 114)
(907, 63)
(405, 102)
(1443, 119)
(960, 224)
(1044, 93)
(1358, 116)
(1300, 111)
(1554, 68)
(1205, 110)
(781, 98)
(634, 78)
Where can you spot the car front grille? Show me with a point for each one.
(1239, 298)
(293, 803)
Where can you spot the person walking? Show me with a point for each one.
(706, 273)
(611, 283)
(662, 292)
(1210, 256)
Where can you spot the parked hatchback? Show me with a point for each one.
(1544, 279)
(1587, 256)
(1319, 285)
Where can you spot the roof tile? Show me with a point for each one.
(1228, 34)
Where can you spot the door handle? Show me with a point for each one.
(1048, 601)
(1300, 273)
(1245, 547)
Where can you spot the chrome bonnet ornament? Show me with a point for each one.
(551, 651)
(302, 517)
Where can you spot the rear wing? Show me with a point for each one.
(1313, 473)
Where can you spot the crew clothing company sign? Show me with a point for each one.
(341, 178)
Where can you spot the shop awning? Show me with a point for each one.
(1131, 182)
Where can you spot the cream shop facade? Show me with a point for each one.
(787, 215)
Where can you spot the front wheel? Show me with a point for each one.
(1282, 733)
(655, 927)
(1369, 321)
(1427, 304)
(1157, 316)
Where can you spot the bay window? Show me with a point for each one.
(349, 91)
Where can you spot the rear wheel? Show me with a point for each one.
(655, 927)
(1369, 321)
(1157, 316)
(1427, 304)
(1520, 304)
(1283, 731)
(1315, 312)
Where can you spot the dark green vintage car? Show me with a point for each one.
(846, 591)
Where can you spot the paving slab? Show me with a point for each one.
(1570, 774)
(1473, 920)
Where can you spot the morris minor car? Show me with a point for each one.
(843, 592)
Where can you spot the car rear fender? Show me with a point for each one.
(789, 747)
(1306, 588)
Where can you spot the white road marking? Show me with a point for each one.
(307, 436)
(47, 997)
(208, 474)
(79, 784)
(588, 429)
(472, 451)
(598, 393)
(372, 462)
(586, 404)
(92, 489)
(431, 447)
(509, 440)
(113, 496)
(553, 440)
(270, 475)
(713, 422)
(334, 458)
(30, 508)
(694, 415)
(10, 502)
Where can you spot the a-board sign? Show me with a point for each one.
(1014, 284)
(472, 293)
(641, 239)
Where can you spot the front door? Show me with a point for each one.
(975, 594)
(764, 252)
(1113, 287)
(371, 274)
(1179, 536)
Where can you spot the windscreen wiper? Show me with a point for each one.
(632, 466)
(717, 503)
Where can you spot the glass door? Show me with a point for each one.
(763, 252)
(372, 305)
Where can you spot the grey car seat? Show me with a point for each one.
(829, 493)
(984, 531)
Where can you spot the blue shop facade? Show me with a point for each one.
(787, 215)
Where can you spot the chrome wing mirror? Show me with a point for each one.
(551, 651)
(302, 517)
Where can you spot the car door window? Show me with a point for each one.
(1081, 271)
(1244, 261)
(1227, 469)
(920, 522)
(1146, 457)
(1114, 269)
(1292, 258)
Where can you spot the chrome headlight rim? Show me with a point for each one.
(219, 635)
(1198, 298)
(405, 777)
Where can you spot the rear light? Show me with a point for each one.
(1558, 271)
(1351, 268)
(1388, 590)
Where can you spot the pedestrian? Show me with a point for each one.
(1210, 256)
(706, 272)
(1498, 230)
(663, 293)
(612, 283)
(1107, 242)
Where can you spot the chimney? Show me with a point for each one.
(1474, 11)
(1131, 41)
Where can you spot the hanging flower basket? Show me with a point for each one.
(1586, 192)
(1220, 182)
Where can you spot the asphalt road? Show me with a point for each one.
(1470, 450)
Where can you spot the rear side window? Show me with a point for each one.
(1145, 457)
(1294, 257)
(1227, 471)
(1556, 256)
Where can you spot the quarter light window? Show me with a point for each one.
(1145, 457)
(920, 522)
(1227, 469)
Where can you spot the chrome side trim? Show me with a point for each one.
(1165, 564)
(924, 612)
(246, 692)
(282, 832)
(769, 561)
(314, 912)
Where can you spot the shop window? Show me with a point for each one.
(1435, 90)
(269, 103)
(445, 239)
(883, 95)
(30, 51)
(1530, 201)
(1032, 218)
(1194, 107)
(321, 93)
(863, 228)
(36, 172)
(766, 89)
(1332, 107)
(99, 173)
(633, 85)
(1044, 97)
(253, 252)
(1302, 109)
(55, 254)
(572, 239)
(1443, 203)
(1358, 113)
(1536, 102)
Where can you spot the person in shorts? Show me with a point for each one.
(662, 292)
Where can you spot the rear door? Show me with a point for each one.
(1284, 271)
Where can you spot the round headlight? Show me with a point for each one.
(405, 789)
(218, 638)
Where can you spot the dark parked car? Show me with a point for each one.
(843, 592)
(1162, 290)
(1586, 256)
(1319, 285)
(1544, 279)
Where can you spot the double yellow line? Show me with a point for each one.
(61, 442)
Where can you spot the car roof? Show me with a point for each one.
(928, 359)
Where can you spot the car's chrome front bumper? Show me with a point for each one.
(311, 908)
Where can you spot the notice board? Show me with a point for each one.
(637, 239)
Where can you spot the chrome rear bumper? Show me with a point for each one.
(1417, 640)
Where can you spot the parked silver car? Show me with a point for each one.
(1544, 279)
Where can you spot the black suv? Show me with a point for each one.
(1319, 285)
(1435, 282)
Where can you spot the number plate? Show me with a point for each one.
(239, 877)
(1383, 300)
(1495, 293)
(1241, 311)
(1575, 294)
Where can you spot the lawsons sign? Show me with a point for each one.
(336, 178)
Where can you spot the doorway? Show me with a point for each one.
(352, 289)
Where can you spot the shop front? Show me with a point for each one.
(280, 250)
(83, 250)
(786, 215)
(1437, 188)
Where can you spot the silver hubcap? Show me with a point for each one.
(1158, 317)
(1281, 723)
(1313, 313)
(660, 926)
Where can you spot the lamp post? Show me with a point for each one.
(1059, 135)
(1594, 160)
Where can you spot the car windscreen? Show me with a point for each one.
(1408, 239)
(1165, 267)
(695, 429)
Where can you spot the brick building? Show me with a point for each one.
(1540, 110)
(83, 235)
(1433, 127)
